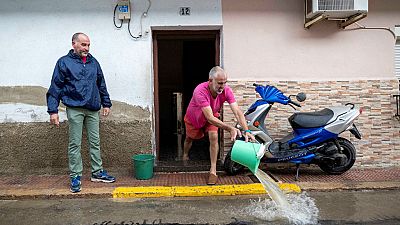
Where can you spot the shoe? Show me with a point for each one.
(102, 176)
(75, 184)
(212, 179)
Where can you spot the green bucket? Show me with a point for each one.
(143, 166)
(245, 153)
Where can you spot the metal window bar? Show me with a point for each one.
(397, 99)
(397, 59)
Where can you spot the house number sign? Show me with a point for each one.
(184, 11)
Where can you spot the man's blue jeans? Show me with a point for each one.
(77, 118)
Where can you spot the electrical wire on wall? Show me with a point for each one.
(144, 14)
(115, 9)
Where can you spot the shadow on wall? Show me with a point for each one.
(29, 144)
(28, 104)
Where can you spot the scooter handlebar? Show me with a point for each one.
(295, 103)
(290, 102)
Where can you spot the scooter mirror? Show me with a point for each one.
(301, 97)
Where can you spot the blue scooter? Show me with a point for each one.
(315, 137)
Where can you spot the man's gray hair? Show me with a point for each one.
(214, 71)
(75, 37)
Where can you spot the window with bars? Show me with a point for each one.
(397, 53)
(397, 99)
(397, 59)
(397, 67)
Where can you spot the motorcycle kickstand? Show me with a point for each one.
(296, 178)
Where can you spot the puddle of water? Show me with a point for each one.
(302, 210)
(296, 208)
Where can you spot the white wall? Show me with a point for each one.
(34, 34)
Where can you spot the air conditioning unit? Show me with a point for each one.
(336, 9)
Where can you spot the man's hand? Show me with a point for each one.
(242, 120)
(106, 111)
(54, 119)
(248, 135)
(234, 132)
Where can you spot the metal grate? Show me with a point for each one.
(332, 5)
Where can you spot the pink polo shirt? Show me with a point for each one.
(202, 98)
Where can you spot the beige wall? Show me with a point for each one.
(267, 40)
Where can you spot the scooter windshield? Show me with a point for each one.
(271, 94)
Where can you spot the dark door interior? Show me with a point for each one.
(183, 62)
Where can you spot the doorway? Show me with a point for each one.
(182, 60)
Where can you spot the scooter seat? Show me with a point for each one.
(311, 119)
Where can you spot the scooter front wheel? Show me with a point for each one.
(231, 167)
(346, 148)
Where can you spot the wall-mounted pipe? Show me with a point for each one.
(373, 28)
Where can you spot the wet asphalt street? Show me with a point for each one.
(344, 207)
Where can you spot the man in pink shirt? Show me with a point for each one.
(202, 116)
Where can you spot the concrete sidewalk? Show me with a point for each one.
(194, 184)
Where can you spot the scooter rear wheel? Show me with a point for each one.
(231, 167)
(346, 148)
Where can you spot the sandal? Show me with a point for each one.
(212, 179)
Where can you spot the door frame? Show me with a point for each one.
(178, 34)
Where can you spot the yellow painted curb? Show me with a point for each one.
(197, 191)
(142, 192)
(286, 187)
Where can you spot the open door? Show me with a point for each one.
(182, 60)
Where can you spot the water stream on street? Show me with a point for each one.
(296, 208)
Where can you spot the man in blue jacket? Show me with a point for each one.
(79, 83)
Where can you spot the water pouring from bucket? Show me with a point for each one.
(249, 154)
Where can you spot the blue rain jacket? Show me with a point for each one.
(77, 84)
